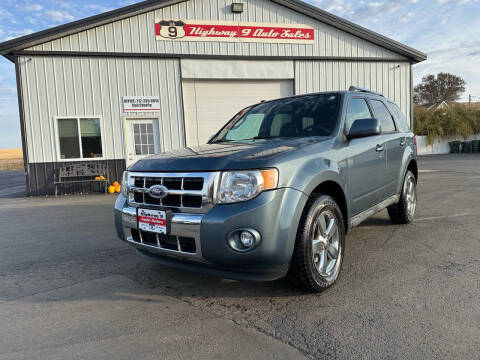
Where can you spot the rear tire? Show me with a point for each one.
(404, 211)
(319, 248)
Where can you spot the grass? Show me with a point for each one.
(11, 159)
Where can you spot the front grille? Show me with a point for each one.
(190, 192)
(167, 242)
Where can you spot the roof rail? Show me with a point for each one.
(360, 89)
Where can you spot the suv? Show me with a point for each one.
(275, 191)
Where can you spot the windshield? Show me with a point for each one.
(310, 115)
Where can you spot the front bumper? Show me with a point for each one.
(274, 214)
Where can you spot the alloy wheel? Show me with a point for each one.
(326, 248)
(410, 196)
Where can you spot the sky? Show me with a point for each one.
(447, 30)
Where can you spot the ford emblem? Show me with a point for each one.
(158, 191)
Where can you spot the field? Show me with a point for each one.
(11, 159)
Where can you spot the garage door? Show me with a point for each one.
(209, 104)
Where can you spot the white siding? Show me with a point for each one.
(137, 34)
(71, 86)
(388, 78)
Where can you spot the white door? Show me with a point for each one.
(209, 104)
(142, 139)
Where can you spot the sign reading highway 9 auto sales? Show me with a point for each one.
(201, 30)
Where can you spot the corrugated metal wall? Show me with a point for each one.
(392, 79)
(70, 86)
(137, 34)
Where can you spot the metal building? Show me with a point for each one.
(159, 75)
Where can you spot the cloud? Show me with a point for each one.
(12, 34)
(4, 13)
(458, 2)
(32, 7)
(59, 16)
(98, 8)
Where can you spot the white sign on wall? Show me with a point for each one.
(141, 104)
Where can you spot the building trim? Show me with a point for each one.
(149, 5)
(21, 111)
(201, 56)
(40, 179)
(412, 108)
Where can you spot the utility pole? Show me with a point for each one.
(469, 100)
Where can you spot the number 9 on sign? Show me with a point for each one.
(172, 29)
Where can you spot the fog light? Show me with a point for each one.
(244, 240)
(247, 239)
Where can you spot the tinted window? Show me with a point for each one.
(400, 119)
(383, 115)
(68, 138)
(75, 144)
(357, 109)
(310, 115)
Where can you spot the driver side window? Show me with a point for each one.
(357, 109)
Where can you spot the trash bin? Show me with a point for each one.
(476, 146)
(454, 147)
(467, 147)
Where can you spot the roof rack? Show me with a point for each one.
(360, 89)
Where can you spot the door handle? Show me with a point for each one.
(402, 142)
(379, 148)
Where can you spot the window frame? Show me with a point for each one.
(391, 115)
(57, 137)
(398, 121)
(347, 107)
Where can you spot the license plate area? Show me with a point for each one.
(156, 221)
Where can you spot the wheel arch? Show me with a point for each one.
(333, 189)
(413, 167)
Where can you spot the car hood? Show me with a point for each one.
(224, 156)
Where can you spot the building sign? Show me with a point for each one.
(141, 103)
(200, 30)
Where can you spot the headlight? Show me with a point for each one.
(125, 180)
(237, 186)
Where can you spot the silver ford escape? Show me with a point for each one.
(275, 191)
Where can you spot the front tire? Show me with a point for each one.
(320, 244)
(404, 211)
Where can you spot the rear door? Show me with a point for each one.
(366, 160)
(394, 145)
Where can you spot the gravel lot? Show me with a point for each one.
(71, 290)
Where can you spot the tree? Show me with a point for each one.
(435, 89)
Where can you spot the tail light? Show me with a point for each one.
(416, 146)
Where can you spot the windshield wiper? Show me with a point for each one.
(253, 138)
(221, 141)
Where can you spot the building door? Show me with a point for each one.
(142, 139)
(209, 104)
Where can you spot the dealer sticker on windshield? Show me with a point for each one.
(152, 220)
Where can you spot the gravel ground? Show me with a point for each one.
(71, 290)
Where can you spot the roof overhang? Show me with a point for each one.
(51, 34)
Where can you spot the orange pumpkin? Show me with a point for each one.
(117, 189)
(111, 189)
(116, 183)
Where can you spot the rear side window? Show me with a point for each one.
(384, 116)
(400, 119)
(357, 109)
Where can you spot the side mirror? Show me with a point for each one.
(363, 128)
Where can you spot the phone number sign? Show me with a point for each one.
(197, 30)
(141, 104)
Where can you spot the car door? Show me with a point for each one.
(394, 145)
(366, 160)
